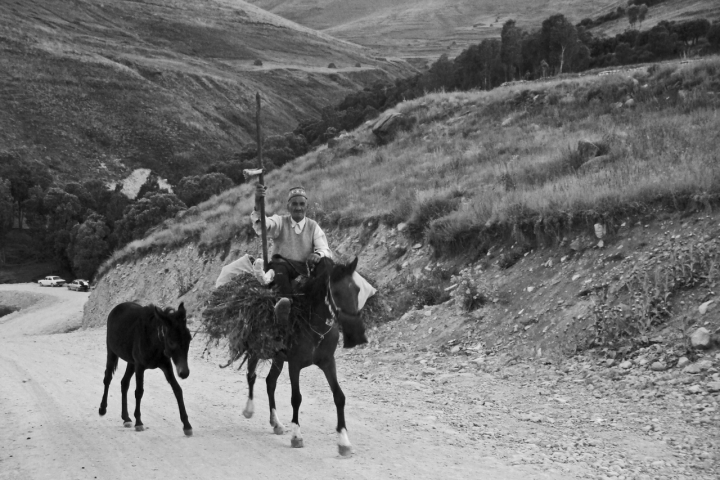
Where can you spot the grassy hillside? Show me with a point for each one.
(423, 28)
(483, 167)
(94, 89)
(669, 10)
(428, 28)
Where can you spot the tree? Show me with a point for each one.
(713, 35)
(6, 215)
(642, 13)
(23, 175)
(661, 41)
(144, 214)
(511, 49)
(559, 39)
(89, 245)
(63, 210)
(633, 12)
(440, 76)
(691, 31)
(198, 188)
(151, 185)
(531, 51)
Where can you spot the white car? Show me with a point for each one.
(79, 285)
(51, 281)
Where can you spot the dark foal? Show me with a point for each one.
(147, 338)
(332, 295)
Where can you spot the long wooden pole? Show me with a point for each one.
(263, 227)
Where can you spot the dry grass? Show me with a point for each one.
(508, 165)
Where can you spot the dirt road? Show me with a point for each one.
(427, 418)
(50, 389)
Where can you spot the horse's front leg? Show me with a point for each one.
(139, 390)
(177, 390)
(251, 376)
(271, 381)
(330, 371)
(296, 441)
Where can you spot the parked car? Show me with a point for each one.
(51, 281)
(79, 285)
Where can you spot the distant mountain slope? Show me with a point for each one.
(669, 10)
(424, 27)
(94, 88)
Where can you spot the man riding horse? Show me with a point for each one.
(298, 241)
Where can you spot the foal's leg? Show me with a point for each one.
(271, 381)
(328, 368)
(139, 382)
(296, 440)
(251, 376)
(177, 390)
(124, 387)
(110, 367)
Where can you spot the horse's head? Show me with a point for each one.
(176, 337)
(342, 299)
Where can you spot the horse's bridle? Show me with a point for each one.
(335, 311)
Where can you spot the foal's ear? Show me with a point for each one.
(181, 308)
(352, 265)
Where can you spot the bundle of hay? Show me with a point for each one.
(242, 312)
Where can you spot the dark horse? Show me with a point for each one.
(331, 297)
(146, 338)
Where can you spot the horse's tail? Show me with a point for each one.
(112, 362)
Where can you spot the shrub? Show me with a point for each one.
(426, 292)
(429, 210)
(472, 292)
(331, 65)
(258, 63)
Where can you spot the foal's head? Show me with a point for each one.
(342, 299)
(176, 337)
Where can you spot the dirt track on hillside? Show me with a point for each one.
(405, 419)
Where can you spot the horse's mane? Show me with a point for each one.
(315, 288)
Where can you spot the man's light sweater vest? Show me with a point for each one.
(295, 246)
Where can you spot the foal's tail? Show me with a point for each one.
(112, 362)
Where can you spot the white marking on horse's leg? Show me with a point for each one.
(344, 446)
(296, 441)
(278, 427)
(249, 408)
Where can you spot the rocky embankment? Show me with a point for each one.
(523, 368)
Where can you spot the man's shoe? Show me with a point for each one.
(282, 310)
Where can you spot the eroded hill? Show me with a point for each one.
(95, 89)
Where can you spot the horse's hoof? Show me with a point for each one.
(278, 430)
(102, 411)
(248, 413)
(139, 428)
(297, 442)
(127, 424)
(188, 432)
(345, 451)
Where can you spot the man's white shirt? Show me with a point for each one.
(274, 223)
